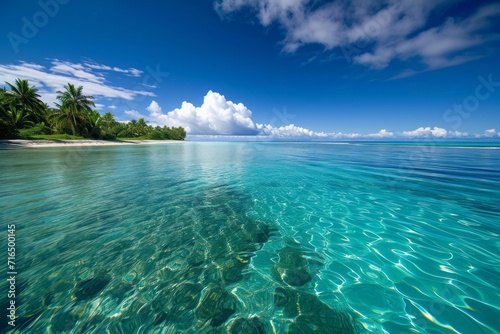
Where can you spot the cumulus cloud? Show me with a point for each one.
(53, 78)
(374, 32)
(154, 108)
(491, 133)
(382, 134)
(215, 116)
(426, 132)
(289, 131)
(435, 132)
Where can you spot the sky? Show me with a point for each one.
(271, 69)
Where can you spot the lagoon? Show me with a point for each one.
(229, 237)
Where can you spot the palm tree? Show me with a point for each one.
(16, 118)
(25, 98)
(108, 121)
(3, 97)
(132, 128)
(45, 114)
(3, 103)
(142, 127)
(75, 104)
(108, 125)
(94, 120)
(64, 119)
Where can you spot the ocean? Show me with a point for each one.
(239, 237)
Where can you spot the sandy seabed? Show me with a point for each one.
(23, 143)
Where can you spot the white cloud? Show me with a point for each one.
(53, 78)
(33, 66)
(75, 70)
(491, 133)
(375, 32)
(289, 131)
(112, 107)
(134, 114)
(437, 47)
(154, 108)
(382, 134)
(457, 134)
(134, 72)
(425, 132)
(215, 116)
(435, 132)
(131, 71)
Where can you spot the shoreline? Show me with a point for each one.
(43, 143)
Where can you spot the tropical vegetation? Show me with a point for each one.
(23, 115)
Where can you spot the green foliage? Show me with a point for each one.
(74, 108)
(7, 132)
(109, 127)
(38, 129)
(156, 134)
(93, 125)
(20, 107)
(139, 129)
(16, 118)
(24, 98)
(58, 136)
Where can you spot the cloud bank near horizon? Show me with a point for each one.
(219, 117)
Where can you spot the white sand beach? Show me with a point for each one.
(23, 143)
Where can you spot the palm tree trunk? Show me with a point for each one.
(74, 124)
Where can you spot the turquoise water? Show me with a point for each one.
(254, 238)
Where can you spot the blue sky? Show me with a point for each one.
(269, 68)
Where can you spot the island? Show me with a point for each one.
(24, 116)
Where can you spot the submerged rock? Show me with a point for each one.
(186, 296)
(308, 324)
(25, 320)
(218, 247)
(246, 326)
(124, 324)
(120, 289)
(239, 243)
(210, 275)
(176, 305)
(294, 277)
(288, 299)
(191, 274)
(90, 325)
(311, 314)
(197, 256)
(258, 232)
(232, 270)
(291, 267)
(90, 288)
(63, 321)
(216, 305)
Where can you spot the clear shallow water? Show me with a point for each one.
(255, 238)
